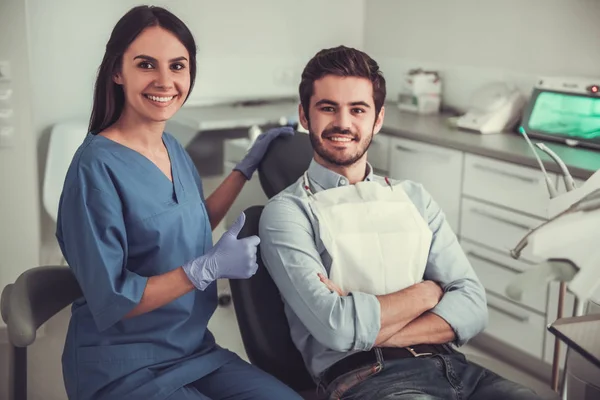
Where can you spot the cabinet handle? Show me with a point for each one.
(500, 219)
(489, 260)
(506, 174)
(431, 153)
(510, 314)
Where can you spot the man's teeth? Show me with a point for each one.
(160, 99)
(340, 139)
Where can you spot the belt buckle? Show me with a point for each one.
(415, 354)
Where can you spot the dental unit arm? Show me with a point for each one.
(567, 243)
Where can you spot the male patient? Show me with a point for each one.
(374, 282)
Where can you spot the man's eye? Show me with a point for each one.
(359, 110)
(327, 109)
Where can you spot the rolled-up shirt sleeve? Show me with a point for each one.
(290, 254)
(463, 305)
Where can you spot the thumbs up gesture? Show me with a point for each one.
(230, 258)
(236, 258)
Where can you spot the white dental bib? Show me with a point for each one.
(377, 239)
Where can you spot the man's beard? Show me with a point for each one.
(331, 157)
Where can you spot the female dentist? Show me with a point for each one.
(136, 231)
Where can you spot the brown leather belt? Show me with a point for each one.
(364, 358)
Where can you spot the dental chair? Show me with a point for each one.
(37, 295)
(258, 306)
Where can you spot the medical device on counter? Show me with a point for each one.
(421, 92)
(566, 110)
(495, 108)
(566, 241)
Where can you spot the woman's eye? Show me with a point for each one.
(145, 65)
(178, 67)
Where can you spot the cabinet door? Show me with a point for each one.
(508, 185)
(379, 154)
(438, 169)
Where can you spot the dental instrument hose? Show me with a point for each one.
(549, 185)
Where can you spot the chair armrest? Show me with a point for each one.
(36, 296)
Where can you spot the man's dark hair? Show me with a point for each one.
(342, 61)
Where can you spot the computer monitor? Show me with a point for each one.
(565, 110)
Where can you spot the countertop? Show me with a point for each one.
(506, 146)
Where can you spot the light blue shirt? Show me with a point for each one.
(326, 327)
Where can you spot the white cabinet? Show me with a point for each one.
(496, 227)
(379, 154)
(513, 186)
(490, 204)
(497, 271)
(438, 169)
(516, 326)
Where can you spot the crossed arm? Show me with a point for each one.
(449, 305)
(405, 320)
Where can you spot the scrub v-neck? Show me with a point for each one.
(176, 186)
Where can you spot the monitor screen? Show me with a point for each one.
(566, 116)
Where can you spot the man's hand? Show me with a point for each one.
(427, 329)
(404, 329)
(432, 291)
(331, 286)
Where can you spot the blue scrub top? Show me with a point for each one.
(121, 221)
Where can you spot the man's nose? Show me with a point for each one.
(343, 120)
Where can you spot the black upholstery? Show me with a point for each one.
(262, 321)
(285, 161)
(257, 301)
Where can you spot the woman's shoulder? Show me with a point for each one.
(173, 142)
(90, 163)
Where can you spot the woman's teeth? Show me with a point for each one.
(160, 99)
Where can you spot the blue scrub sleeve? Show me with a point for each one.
(94, 242)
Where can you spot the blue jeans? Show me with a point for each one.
(427, 378)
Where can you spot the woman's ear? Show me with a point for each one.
(117, 78)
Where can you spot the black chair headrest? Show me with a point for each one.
(284, 163)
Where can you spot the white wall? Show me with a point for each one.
(241, 54)
(473, 41)
(19, 201)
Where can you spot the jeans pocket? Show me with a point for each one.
(347, 381)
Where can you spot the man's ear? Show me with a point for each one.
(303, 118)
(379, 121)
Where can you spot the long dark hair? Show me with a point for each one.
(109, 98)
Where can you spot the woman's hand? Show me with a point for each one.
(230, 258)
(256, 153)
(331, 286)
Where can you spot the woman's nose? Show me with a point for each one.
(164, 79)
